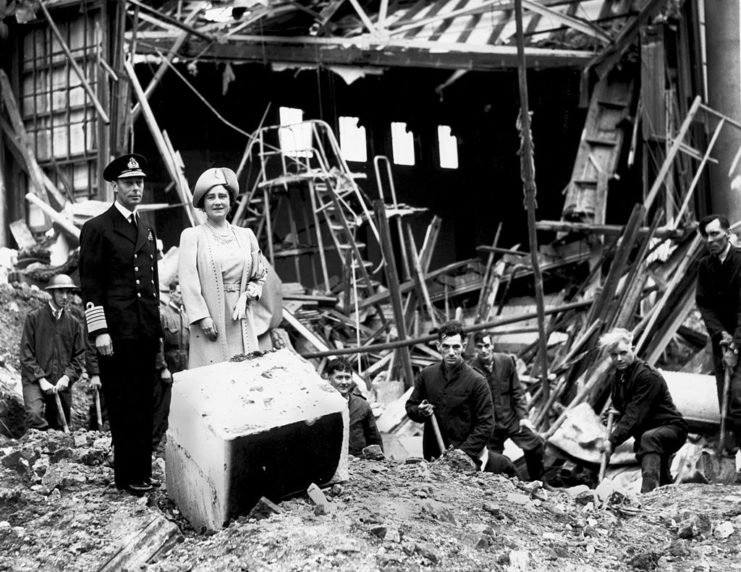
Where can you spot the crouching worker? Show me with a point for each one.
(454, 396)
(51, 354)
(645, 411)
(363, 430)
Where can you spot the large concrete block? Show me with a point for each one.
(267, 426)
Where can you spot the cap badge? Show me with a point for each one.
(132, 164)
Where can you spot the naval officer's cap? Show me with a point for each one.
(125, 166)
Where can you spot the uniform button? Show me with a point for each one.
(138, 294)
(136, 269)
(151, 256)
(152, 281)
(138, 281)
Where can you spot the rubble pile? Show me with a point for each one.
(59, 510)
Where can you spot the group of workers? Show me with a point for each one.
(133, 340)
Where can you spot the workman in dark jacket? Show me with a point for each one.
(120, 292)
(458, 397)
(172, 358)
(363, 429)
(510, 407)
(52, 355)
(644, 409)
(719, 301)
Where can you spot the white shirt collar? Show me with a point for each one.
(123, 210)
(57, 312)
(723, 255)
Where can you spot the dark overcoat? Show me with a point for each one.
(463, 409)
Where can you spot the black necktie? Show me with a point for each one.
(134, 220)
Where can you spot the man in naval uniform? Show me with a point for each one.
(118, 274)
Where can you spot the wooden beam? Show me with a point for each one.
(577, 24)
(172, 21)
(527, 170)
(424, 339)
(351, 51)
(607, 229)
(392, 279)
(61, 220)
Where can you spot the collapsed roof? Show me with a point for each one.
(452, 34)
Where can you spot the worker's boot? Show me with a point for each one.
(665, 477)
(650, 468)
(534, 463)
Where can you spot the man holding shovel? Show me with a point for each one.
(719, 301)
(452, 400)
(644, 410)
(52, 355)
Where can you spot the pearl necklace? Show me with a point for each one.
(223, 238)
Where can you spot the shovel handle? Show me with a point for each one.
(60, 412)
(98, 411)
(724, 407)
(438, 435)
(603, 461)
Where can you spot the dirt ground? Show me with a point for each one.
(59, 511)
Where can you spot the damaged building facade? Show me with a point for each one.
(378, 153)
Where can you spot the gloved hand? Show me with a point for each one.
(240, 308)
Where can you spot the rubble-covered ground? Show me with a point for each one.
(59, 511)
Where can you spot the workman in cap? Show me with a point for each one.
(52, 355)
(120, 292)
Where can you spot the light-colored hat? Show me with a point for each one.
(214, 177)
(61, 282)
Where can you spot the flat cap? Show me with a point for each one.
(214, 177)
(130, 165)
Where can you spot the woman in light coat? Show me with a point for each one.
(221, 274)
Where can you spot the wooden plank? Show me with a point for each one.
(694, 249)
(319, 344)
(22, 234)
(394, 53)
(609, 229)
(156, 536)
(393, 286)
(467, 329)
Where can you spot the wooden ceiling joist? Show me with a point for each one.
(400, 53)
